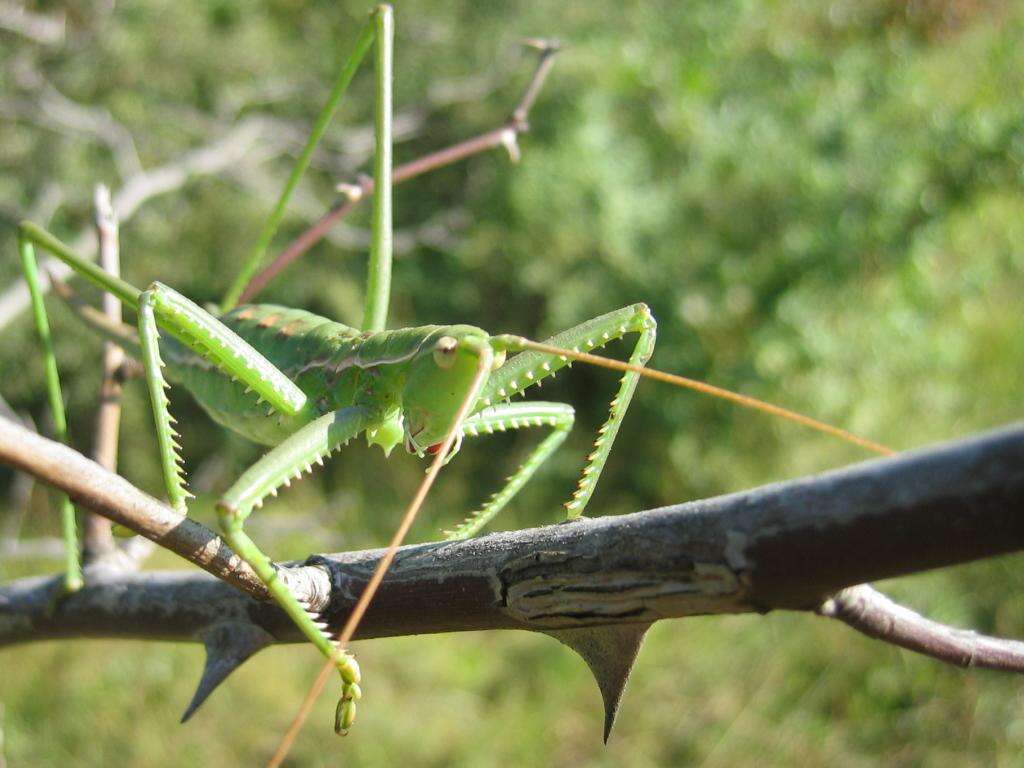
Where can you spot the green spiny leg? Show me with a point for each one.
(252, 262)
(529, 368)
(160, 306)
(170, 460)
(378, 28)
(212, 340)
(287, 461)
(73, 568)
(209, 338)
(502, 417)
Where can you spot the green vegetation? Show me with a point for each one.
(822, 203)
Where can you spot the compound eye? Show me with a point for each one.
(444, 351)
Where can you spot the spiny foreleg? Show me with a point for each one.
(163, 307)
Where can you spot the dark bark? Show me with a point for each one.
(783, 546)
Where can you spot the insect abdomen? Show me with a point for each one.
(297, 342)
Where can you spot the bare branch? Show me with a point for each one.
(99, 490)
(54, 106)
(137, 190)
(97, 540)
(39, 28)
(49, 108)
(48, 548)
(504, 136)
(869, 611)
(547, 49)
(784, 546)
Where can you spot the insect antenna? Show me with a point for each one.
(352, 623)
(519, 343)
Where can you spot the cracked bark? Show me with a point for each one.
(785, 546)
(595, 585)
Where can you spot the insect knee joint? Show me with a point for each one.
(231, 518)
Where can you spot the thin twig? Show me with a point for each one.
(99, 490)
(872, 613)
(39, 28)
(97, 539)
(48, 548)
(505, 136)
(54, 106)
(214, 157)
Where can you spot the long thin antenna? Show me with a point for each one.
(482, 370)
(521, 343)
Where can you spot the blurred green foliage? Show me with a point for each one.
(822, 203)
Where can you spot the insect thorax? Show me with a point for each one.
(335, 365)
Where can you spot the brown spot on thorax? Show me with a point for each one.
(268, 321)
(291, 328)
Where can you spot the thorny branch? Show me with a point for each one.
(800, 545)
(94, 488)
(353, 192)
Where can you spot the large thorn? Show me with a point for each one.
(228, 645)
(610, 653)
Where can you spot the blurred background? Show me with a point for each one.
(823, 203)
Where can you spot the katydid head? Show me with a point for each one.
(440, 378)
